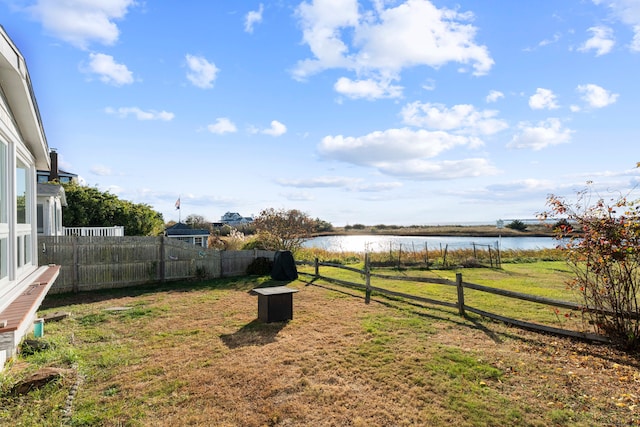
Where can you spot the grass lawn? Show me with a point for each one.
(195, 354)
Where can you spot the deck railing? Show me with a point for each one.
(115, 231)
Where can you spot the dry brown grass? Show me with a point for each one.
(198, 356)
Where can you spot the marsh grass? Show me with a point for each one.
(194, 354)
(434, 258)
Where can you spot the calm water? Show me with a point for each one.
(373, 243)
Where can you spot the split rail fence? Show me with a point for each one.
(91, 262)
(460, 304)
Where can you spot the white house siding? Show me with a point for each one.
(23, 149)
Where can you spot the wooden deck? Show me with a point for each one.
(28, 302)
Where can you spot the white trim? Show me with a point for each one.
(9, 294)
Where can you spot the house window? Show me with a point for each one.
(40, 214)
(4, 259)
(198, 241)
(57, 219)
(24, 201)
(3, 184)
(4, 226)
(22, 195)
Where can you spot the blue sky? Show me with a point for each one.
(372, 112)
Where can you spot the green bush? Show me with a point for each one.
(516, 224)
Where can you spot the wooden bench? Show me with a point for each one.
(275, 304)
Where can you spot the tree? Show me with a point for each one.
(605, 257)
(283, 229)
(197, 222)
(322, 226)
(90, 207)
(516, 224)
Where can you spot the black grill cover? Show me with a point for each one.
(284, 266)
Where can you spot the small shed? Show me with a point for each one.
(185, 233)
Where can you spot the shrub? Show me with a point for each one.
(516, 224)
(606, 261)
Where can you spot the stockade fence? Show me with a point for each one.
(459, 304)
(90, 262)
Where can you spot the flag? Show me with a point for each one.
(178, 203)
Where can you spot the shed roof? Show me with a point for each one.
(181, 229)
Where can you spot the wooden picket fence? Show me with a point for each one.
(91, 262)
(460, 305)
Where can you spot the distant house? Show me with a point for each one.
(51, 198)
(55, 174)
(234, 219)
(183, 232)
(23, 150)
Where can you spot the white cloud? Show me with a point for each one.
(276, 129)
(368, 89)
(202, 73)
(635, 43)
(536, 137)
(420, 169)
(628, 12)
(109, 70)
(494, 96)
(321, 22)
(79, 22)
(101, 170)
(376, 187)
(553, 40)
(379, 43)
(252, 18)
(298, 196)
(602, 41)
(221, 126)
(543, 99)
(462, 118)
(318, 182)
(139, 114)
(525, 185)
(596, 96)
(429, 84)
(402, 152)
(350, 184)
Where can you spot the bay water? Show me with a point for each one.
(383, 243)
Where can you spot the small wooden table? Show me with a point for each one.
(275, 304)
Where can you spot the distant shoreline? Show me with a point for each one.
(537, 230)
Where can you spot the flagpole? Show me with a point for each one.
(179, 210)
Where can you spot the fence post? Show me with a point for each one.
(367, 279)
(76, 267)
(426, 255)
(460, 294)
(161, 263)
(317, 268)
